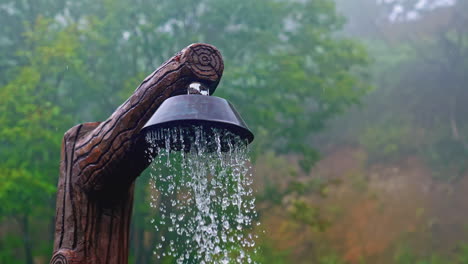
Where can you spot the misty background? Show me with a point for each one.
(359, 108)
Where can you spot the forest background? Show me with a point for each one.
(359, 110)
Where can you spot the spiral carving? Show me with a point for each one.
(205, 61)
(59, 258)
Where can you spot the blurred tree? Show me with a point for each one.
(419, 70)
(443, 55)
(32, 120)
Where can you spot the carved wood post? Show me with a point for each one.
(100, 162)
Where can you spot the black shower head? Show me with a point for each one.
(185, 114)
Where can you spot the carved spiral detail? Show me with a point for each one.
(205, 61)
(59, 258)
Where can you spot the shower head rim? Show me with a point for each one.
(200, 110)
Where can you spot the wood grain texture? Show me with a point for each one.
(100, 162)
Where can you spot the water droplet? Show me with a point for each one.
(189, 188)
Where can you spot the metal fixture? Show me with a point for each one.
(197, 110)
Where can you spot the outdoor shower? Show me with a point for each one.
(101, 160)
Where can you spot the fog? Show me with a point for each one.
(359, 110)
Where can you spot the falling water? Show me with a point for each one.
(203, 196)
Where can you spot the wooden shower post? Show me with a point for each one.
(100, 162)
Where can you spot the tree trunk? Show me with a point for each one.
(27, 240)
(454, 125)
(100, 162)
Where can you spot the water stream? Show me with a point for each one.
(203, 198)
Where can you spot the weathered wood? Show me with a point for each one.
(100, 162)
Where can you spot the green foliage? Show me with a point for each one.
(303, 212)
(266, 253)
(406, 256)
(447, 158)
(388, 142)
(32, 124)
(331, 259)
(9, 243)
(65, 62)
(462, 256)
